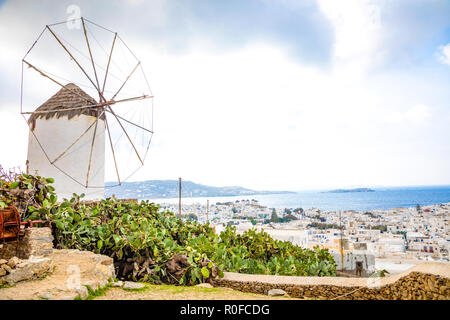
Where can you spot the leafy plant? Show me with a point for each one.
(152, 245)
(28, 193)
(380, 274)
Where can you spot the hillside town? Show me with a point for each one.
(360, 241)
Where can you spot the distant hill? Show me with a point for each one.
(350, 190)
(154, 189)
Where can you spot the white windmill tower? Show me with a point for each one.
(63, 128)
(75, 138)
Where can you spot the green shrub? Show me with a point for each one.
(25, 191)
(152, 245)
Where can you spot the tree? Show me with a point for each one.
(289, 217)
(418, 208)
(382, 228)
(274, 217)
(370, 214)
(323, 226)
(192, 217)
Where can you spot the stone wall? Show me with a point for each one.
(428, 281)
(35, 242)
(63, 275)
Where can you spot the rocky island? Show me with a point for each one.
(154, 189)
(350, 190)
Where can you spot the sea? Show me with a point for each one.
(381, 198)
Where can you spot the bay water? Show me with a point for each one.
(381, 198)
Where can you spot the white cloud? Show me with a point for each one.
(357, 28)
(254, 116)
(418, 115)
(444, 54)
(13, 138)
(265, 121)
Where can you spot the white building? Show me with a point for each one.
(353, 260)
(387, 244)
(296, 237)
(59, 144)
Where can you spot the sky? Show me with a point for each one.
(269, 94)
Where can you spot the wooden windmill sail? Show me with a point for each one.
(99, 123)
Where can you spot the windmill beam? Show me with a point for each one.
(126, 133)
(123, 84)
(134, 124)
(143, 97)
(112, 150)
(97, 105)
(109, 61)
(55, 81)
(76, 61)
(90, 153)
(92, 59)
(78, 139)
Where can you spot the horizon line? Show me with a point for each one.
(292, 190)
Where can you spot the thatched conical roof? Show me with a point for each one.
(71, 96)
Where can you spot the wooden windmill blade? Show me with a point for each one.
(117, 123)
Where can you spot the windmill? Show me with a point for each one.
(98, 122)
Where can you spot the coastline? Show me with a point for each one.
(379, 200)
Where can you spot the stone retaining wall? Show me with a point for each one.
(427, 281)
(35, 242)
(64, 275)
(26, 258)
(16, 270)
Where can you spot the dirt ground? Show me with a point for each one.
(168, 292)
